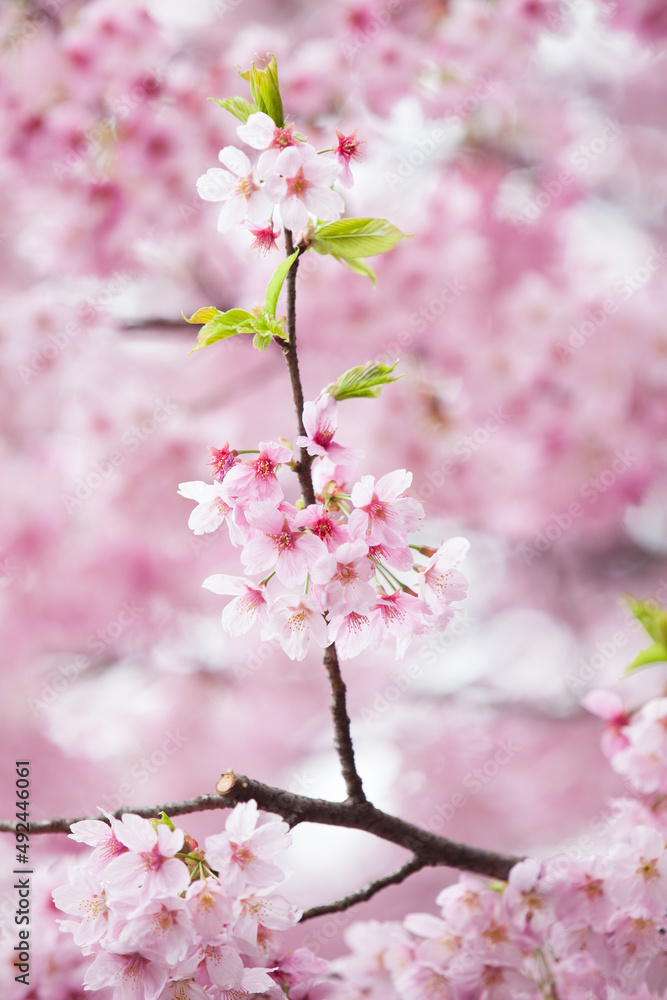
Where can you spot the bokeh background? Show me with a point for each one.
(523, 144)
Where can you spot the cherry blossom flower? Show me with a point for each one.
(221, 461)
(211, 510)
(264, 236)
(638, 873)
(184, 989)
(384, 514)
(292, 553)
(331, 530)
(608, 706)
(101, 836)
(84, 896)
(440, 581)
(295, 621)
(149, 864)
(301, 185)
(256, 479)
(341, 579)
(347, 149)
(162, 926)
(132, 975)
(320, 422)
(209, 905)
(241, 614)
(351, 633)
(244, 854)
(265, 909)
(398, 558)
(398, 614)
(237, 186)
(261, 132)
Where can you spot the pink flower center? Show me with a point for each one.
(241, 853)
(324, 528)
(264, 468)
(648, 871)
(377, 509)
(285, 539)
(356, 622)
(300, 620)
(152, 860)
(283, 137)
(297, 186)
(245, 187)
(346, 573)
(323, 436)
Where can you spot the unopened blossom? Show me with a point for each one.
(261, 132)
(294, 621)
(384, 513)
(240, 614)
(211, 510)
(244, 854)
(301, 185)
(149, 865)
(324, 525)
(342, 578)
(320, 421)
(256, 478)
(347, 149)
(237, 186)
(292, 553)
(609, 706)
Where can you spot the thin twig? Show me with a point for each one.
(234, 788)
(414, 865)
(341, 723)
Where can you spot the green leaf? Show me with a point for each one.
(264, 327)
(276, 283)
(358, 266)
(655, 654)
(219, 326)
(261, 340)
(266, 91)
(363, 381)
(651, 616)
(352, 238)
(238, 106)
(202, 315)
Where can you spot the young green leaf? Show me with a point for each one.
(358, 266)
(276, 282)
(352, 238)
(654, 619)
(218, 326)
(654, 654)
(362, 381)
(266, 91)
(238, 106)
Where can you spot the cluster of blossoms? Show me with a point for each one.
(166, 920)
(589, 924)
(290, 182)
(336, 559)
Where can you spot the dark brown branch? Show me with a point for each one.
(414, 865)
(341, 723)
(292, 359)
(201, 804)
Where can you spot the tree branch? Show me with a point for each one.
(341, 723)
(414, 865)
(428, 848)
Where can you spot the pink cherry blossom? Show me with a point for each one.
(221, 461)
(83, 896)
(261, 132)
(161, 926)
(241, 614)
(212, 509)
(320, 421)
(292, 553)
(301, 185)
(341, 579)
(351, 633)
(384, 514)
(149, 865)
(399, 615)
(256, 479)
(262, 909)
(294, 621)
(347, 149)
(609, 706)
(101, 836)
(237, 186)
(440, 581)
(264, 237)
(209, 905)
(132, 975)
(329, 528)
(638, 873)
(244, 854)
